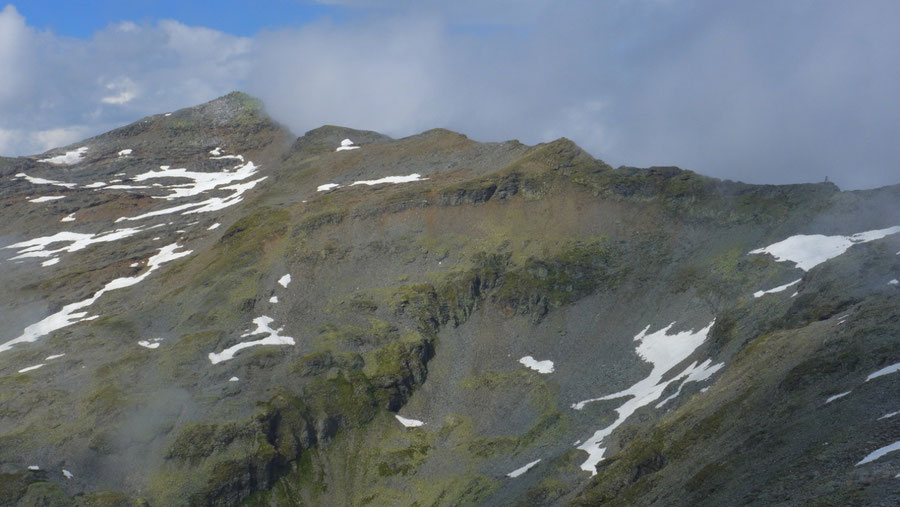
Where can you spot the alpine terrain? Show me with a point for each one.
(200, 308)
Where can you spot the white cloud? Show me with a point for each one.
(765, 91)
(38, 141)
(16, 40)
(57, 90)
(124, 89)
(387, 75)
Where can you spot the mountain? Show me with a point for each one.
(202, 309)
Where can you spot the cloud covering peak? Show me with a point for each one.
(765, 92)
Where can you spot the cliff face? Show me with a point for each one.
(201, 309)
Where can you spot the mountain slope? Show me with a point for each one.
(251, 318)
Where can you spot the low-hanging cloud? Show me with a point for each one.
(764, 91)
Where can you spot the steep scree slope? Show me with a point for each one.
(201, 309)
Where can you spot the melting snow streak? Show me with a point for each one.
(70, 157)
(663, 351)
(409, 423)
(519, 471)
(262, 326)
(837, 396)
(391, 179)
(780, 288)
(70, 314)
(887, 370)
(386, 179)
(37, 247)
(42, 181)
(878, 453)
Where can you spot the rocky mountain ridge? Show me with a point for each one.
(203, 309)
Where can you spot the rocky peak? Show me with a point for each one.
(201, 309)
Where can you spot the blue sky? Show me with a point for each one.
(244, 18)
(763, 91)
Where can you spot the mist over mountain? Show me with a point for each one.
(203, 309)
(763, 91)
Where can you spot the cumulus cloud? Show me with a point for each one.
(57, 90)
(765, 91)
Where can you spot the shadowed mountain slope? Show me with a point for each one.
(201, 309)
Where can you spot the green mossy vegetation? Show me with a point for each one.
(542, 285)
(12, 487)
(182, 355)
(374, 352)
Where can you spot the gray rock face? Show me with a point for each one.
(463, 323)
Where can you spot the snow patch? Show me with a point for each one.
(150, 344)
(273, 299)
(545, 366)
(42, 181)
(31, 368)
(326, 187)
(262, 327)
(50, 262)
(887, 370)
(37, 247)
(663, 351)
(202, 181)
(808, 251)
(212, 204)
(68, 218)
(409, 423)
(34, 468)
(216, 152)
(67, 474)
(894, 282)
(346, 144)
(889, 415)
(285, 280)
(71, 314)
(126, 187)
(70, 157)
(391, 179)
(780, 288)
(837, 396)
(233, 379)
(46, 198)
(878, 453)
(125, 152)
(213, 226)
(519, 471)
(698, 374)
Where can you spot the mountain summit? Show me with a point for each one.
(201, 309)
